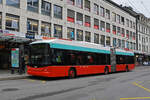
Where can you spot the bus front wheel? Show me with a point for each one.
(72, 73)
(106, 71)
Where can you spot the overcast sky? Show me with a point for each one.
(142, 6)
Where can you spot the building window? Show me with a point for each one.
(118, 18)
(71, 2)
(113, 17)
(79, 3)
(57, 12)
(130, 37)
(123, 43)
(70, 33)
(102, 26)
(96, 38)
(46, 8)
(108, 41)
(70, 16)
(134, 35)
(0, 1)
(14, 3)
(134, 25)
(102, 11)
(87, 5)
(102, 40)
(130, 24)
(79, 35)
(127, 34)
(122, 20)
(57, 31)
(46, 29)
(33, 5)
(96, 23)
(79, 19)
(12, 22)
(0, 20)
(114, 42)
(119, 43)
(118, 31)
(107, 14)
(114, 29)
(87, 21)
(127, 22)
(108, 27)
(96, 9)
(32, 26)
(87, 36)
(127, 44)
(123, 32)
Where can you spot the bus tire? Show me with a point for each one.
(72, 73)
(106, 71)
(127, 69)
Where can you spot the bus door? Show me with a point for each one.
(113, 59)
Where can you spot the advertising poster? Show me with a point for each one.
(15, 58)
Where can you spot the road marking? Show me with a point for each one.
(138, 85)
(136, 98)
(43, 82)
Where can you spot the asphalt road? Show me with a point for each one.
(133, 85)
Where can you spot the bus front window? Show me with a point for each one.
(39, 55)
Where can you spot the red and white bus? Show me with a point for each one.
(60, 58)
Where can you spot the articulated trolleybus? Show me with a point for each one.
(61, 58)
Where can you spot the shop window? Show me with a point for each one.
(32, 26)
(79, 3)
(71, 2)
(122, 20)
(114, 29)
(57, 12)
(118, 31)
(79, 19)
(102, 11)
(87, 36)
(87, 21)
(70, 16)
(0, 20)
(102, 26)
(57, 31)
(113, 17)
(108, 27)
(102, 40)
(32, 5)
(70, 33)
(108, 41)
(87, 5)
(118, 18)
(12, 22)
(79, 35)
(96, 38)
(127, 34)
(46, 8)
(123, 32)
(96, 23)
(114, 42)
(14, 3)
(46, 29)
(107, 14)
(96, 9)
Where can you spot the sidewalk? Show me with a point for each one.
(6, 75)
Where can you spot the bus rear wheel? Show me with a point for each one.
(106, 71)
(72, 73)
(127, 69)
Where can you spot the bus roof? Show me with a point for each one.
(81, 46)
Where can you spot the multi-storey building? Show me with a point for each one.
(97, 21)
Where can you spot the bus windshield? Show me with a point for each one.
(39, 55)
